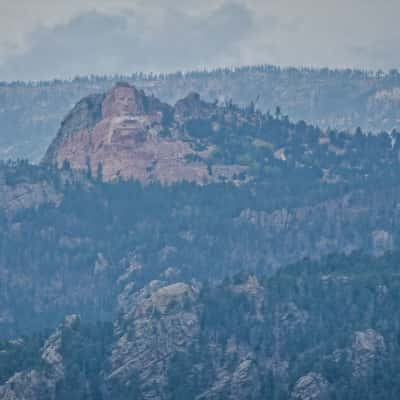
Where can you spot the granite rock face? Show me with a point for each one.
(311, 387)
(344, 224)
(368, 348)
(162, 322)
(25, 194)
(42, 383)
(128, 135)
(30, 114)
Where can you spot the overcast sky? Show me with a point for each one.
(44, 39)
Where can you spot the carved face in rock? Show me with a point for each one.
(123, 101)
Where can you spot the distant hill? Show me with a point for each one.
(30, 114)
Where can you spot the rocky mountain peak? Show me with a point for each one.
(192, 106)
(124, 100)
(127, 134)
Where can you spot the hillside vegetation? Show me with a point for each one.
(30, 113)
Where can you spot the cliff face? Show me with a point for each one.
(41, 383)
(85, 115)
(129, 135)
(25, 194)
(126, 134)
(161, 323)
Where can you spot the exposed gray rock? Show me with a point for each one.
(343, 224)
(41, 384)
(367, 347)
(30, 385)
(101, 264)
(241, 383)
(311, 387)
(26, 195)
(382, 242)
(163, 321)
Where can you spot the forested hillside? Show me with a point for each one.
(65, 239)
(67, 234)
(200, 250)
(124, 134)
(30, 113)
(326, 330)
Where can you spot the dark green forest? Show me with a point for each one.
(280, 283)
(308, 315)
(330, 193)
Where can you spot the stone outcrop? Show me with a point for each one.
(311, 387)
(126, 134)
(343, 224)
(25, 193)
(41, 383)
(382, 242)
(162, 321)
(365, 353)
(192, 106)
(167, 342)
(368, 347)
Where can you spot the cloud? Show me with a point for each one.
(46, 38)
(98, 43)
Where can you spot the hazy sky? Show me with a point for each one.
(43, 39)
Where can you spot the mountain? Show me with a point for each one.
(30, 113)
(323, 330)
(199, 250)
(126, 134)
(67, 233)
(66, 238)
